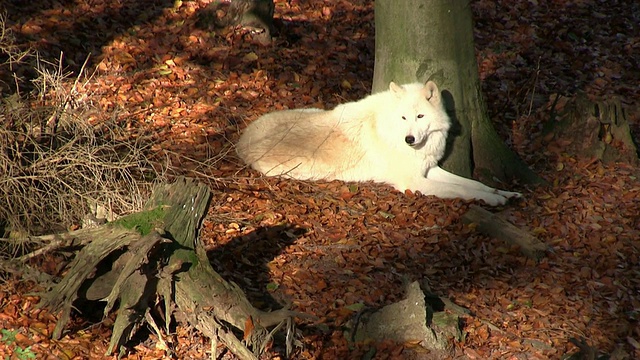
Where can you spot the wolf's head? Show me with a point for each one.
(418, 113)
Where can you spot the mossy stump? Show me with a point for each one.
(154, 257)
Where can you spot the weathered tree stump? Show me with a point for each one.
(592, 129)
(419, 318)
(256, 15)
(154, 255)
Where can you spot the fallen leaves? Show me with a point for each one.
(332, 249)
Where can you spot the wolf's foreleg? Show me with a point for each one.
(445, 190)
(438, 174)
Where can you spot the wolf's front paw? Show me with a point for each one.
(499, 197)
(493, 199)
(510, 194)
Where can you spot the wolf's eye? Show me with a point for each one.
(404, 118)
(420, 116)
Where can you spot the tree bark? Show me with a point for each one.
(420, 40)
(427, 40)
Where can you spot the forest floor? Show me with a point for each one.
(326, 248)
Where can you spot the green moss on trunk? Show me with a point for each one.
(142, 222)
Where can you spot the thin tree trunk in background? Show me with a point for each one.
(419, 40)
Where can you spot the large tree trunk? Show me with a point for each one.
(420, 40)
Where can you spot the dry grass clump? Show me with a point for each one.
(48, 180)
(56, 169)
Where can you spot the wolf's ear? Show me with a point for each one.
(432, 93)
(395, 88)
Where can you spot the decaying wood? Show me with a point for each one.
(52, 242)
(166, 264)
(591, 129)
(495, 226)
(55, 242)
(254, 14)
(62, 296)
(420, 317)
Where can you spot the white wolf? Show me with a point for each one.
(394, 137)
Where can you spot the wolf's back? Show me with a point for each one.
(283, 142)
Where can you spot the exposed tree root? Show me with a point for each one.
(133, 271)
(495, 226)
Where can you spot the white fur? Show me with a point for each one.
(365, 140)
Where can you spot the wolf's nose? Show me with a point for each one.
(409, 139)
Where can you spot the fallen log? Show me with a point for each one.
(495, 226)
